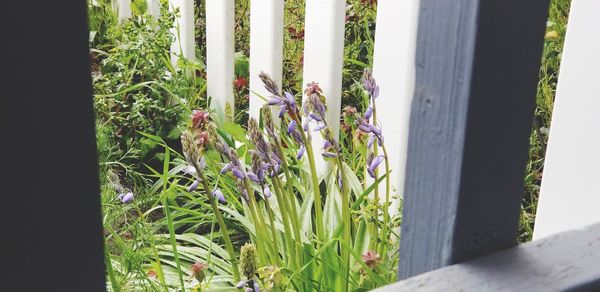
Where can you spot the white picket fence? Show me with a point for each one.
(570, 195)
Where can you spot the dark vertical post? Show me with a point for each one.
(477, 67)
(50, 207)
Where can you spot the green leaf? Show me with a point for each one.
(234, 130)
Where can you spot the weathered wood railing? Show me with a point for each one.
(470, 91)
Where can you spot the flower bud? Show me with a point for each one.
(248, 260)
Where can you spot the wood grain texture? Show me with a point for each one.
(476, 75)
(568, 261)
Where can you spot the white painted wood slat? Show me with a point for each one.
(323, 60)
(183, 30)
(220, 54)
(266, 48)
(570, 193)
(394, 70)
(154, 8)
(123, 8)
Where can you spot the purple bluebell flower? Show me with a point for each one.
(291, 127)
(380, 140)
(376, 161)
(301, 152)
(238, 173)
(190, 169)
(282, 111)
(267, 192)
(296, 135)
(315, 117)
(245, 195)
(226, 168)
(256, 289)
(275, 101)
(290, 100)
(370, 84)
(328, 154)
(375, 130)
(319, 127)
(219, 195)
(193, 186)
(368, 113)
(240, 284)
(327, 144)
(373, 163)
(370, 141)
(202, 163)
(126, 198)
(364, 128)
(253, 177)
(371, 172)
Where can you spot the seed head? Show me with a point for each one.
(198, 269)
(248, 260)
(269, 84)
(190, 148)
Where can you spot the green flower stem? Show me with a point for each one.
(374, 238)
(109, 268)
(291, 203)
(315, 184)
(286, 224)
(260, 223)
(260, 238)
(273, 231)
(222, 225)
(173, 241)
(386, 212)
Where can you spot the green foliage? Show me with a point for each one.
(136, 87)
(553, 47)
(142, 104)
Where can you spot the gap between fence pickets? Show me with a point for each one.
(570, 191)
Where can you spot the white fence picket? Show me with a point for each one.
(154, 8)
(184, 42)
(266, 48)
(123, 8)
(219, 54)
(394, 70)
(323, 60)
(570, 193)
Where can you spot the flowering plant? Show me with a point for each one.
(309, 231)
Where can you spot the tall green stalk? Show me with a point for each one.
(173, 240)
(386, 212)
(315, 184)
(374, 239)
(109, 269)
(224, 231)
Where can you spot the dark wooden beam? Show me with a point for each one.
(476, 74)
(564, 262)
(52, 231)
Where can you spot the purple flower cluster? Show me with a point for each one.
(372, 129)
(251, 284)
(125, 197)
